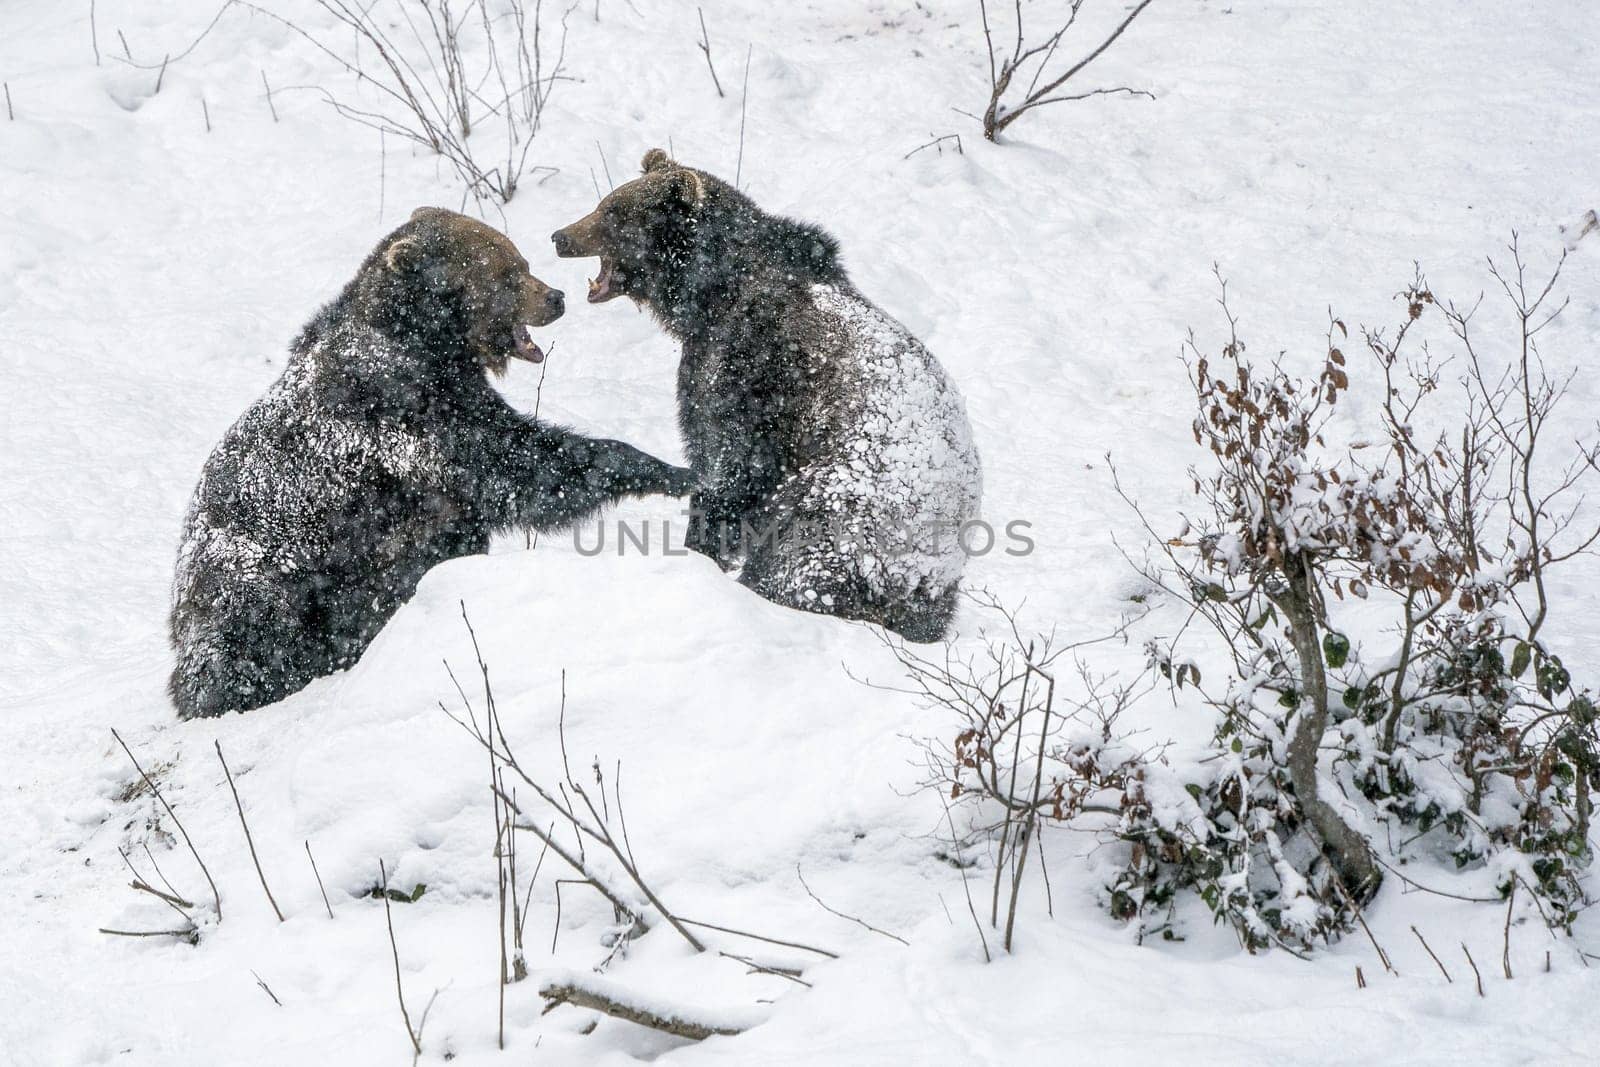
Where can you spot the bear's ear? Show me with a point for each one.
(656, 159)
(426, 212)
(686, 187)
(403, 255)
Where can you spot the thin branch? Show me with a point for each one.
(760, 937)
(832, 911)
(268, 87)
(143, 886)
(1431, 954)
(265, 988)
(613, 896)
(248, 839)
(1475, 973)
(1505, 952)
(744, 100)
(788, 973)
(318, 875)
(705, 46)
(394, 949)
(966, 888)
(937, 143)
(223, 10)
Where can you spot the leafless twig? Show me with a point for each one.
(143, 886)
(249, 840)
(179, 57)
(268, 87)
(318, 875)
(1431, 954)
(1505, 951)
(265, 988)
(705, 46)
(744, 100)
(400, 993)
(965, 888)
(760, 937)
(834, 911)
(937, 144)
(1383, 956)
(1475, 973)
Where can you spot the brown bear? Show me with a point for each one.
(835, 463)
(380, 452)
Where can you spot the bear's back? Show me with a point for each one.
(302, 486)
(900, 459)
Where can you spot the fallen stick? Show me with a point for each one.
(185, 934)
(597, 994)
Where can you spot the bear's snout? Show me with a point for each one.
(564, 243)
(556, 301)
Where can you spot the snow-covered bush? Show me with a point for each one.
(1448, 715)
(1452, 713)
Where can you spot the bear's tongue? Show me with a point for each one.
(600, 288)
(527, 348)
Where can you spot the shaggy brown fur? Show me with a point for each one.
(834, 457)
(380, 452)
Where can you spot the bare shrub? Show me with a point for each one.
(594, 814)
(461, 67)
(1018, 758)
(1007, 101)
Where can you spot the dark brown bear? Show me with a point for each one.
(381, 451)
(834, 459)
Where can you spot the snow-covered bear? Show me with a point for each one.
(380, 452)
(834, 458)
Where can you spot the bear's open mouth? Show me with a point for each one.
(526, 347)
(607, 285)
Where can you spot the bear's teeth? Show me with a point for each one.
(527, 347)
(600, 285)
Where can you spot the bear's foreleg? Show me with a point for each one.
(548, 478)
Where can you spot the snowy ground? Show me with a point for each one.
(151, 274)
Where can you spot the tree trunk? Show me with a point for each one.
(1348, 850)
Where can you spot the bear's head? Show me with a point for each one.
(641, 231)
(685, 243)
(458, 288)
